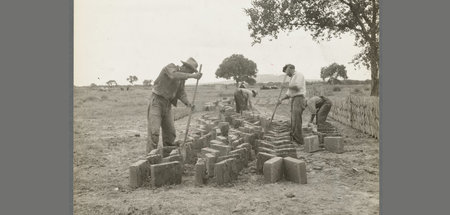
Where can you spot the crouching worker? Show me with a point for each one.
(167, 90)
(242, 99)
(319, 106)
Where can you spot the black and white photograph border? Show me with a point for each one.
(226, 107)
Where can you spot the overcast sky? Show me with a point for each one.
(117, 38)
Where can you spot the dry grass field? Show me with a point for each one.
(110, 134)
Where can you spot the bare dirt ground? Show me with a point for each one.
(110, 134)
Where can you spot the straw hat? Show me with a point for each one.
(191, 63)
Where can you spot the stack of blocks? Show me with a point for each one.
(162, 170)
(220, 147)
(230, 151)
(291, 169)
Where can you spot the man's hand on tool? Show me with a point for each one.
(197, 75)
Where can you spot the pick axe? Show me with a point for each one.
(279, 96)
(183, 145)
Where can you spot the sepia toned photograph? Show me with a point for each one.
(226, 107)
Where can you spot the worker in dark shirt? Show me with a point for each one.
(167, 90)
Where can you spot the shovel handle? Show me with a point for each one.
(190, 111)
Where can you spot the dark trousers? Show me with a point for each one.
(323, 111)
(297, 107)
(159, 115)
(241, 101)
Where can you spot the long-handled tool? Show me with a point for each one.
(279, 96)
(183, 146)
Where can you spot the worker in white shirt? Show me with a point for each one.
(242, 98)
(319, 106)
(296, 92)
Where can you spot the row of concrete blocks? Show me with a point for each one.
(276, 168)
(166, 167)
(225, 157)
(172, 164)
(230, 152)
(161, 170)
(219, 165)
(333, 144)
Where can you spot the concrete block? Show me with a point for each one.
(208, 138)
(218, 132)
(166, 173)
(334, 144)
(203, 130)
(249, 138)
(171, 158)
(237, 162)
(243, 155)
(260, 159)
(224, 128)
(273, 170)
(285, 146)
(211, 151)
(200, 172)
(232, 137)
(222, 139)
(312, 143)
(266, 150)
(225, 171)
(138, 173)
(235, 143)
(226, 157)
(286, 152)
(154, 152)
(223, 149)
(234, 167)
(154, 158)
(265, 144)
(210, 161)
(175, 152)
(246, 146)
(201, 142)
(213, 133)
(295, 170)
(217, 142)
(280, 142)
(220, 172)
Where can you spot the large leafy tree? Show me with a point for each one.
(324, 19)
(239, 68)
(333, 72)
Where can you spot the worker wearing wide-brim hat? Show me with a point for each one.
(319, 106)
(167, 90)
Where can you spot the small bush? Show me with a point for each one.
(336, 89)
(366, 89)
(357, 90)
(104, 97)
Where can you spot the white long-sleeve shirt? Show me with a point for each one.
(297, 85)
